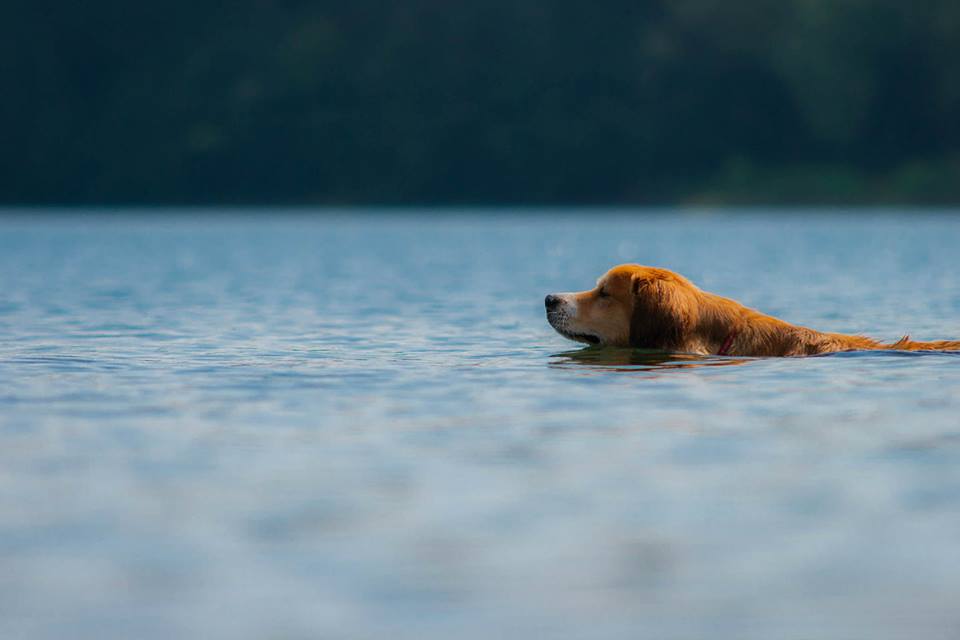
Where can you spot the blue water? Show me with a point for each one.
(269, 424)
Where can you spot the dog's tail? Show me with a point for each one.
(906, 344)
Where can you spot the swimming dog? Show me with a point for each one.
(657, 309)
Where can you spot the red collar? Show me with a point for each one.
(727, 344)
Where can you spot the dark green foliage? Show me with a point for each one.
(520, 101)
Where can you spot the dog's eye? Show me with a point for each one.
(603, 293)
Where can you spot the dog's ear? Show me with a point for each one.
(662, 313)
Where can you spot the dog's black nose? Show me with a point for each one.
(551, 302)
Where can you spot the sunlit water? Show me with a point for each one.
(271, 425)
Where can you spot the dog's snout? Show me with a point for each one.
(551, 302)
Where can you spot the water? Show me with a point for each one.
(276, 425)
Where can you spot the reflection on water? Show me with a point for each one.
(606, 359)
(621, 359)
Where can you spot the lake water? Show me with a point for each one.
(275, 424)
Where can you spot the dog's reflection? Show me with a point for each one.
(617, 359)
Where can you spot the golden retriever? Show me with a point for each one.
(650, 308)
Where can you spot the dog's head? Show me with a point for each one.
(631, 306)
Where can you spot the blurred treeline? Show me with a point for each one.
(493, 101)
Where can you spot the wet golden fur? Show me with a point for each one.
(650, 308)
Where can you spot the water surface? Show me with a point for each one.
(269, 424)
